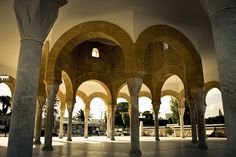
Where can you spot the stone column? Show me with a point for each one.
(108, 113)
(156, 108)
(222, 17)
(52, 90)
(86, 119)
(70, 107)
(181, 120)
(33, 31)
(112, 120)
(62, 112)
(193, 122)
(199, 101)
(41, 102)
(134, 86)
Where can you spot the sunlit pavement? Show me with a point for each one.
(100, 146)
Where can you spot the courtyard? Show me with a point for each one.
(101, 146)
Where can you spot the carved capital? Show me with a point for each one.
(213, 7)
(35, 18)
(134, 85)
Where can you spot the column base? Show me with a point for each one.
(203, 146)
(60, 136)
(37, 142)
(135, 153)
(157, 139)
(47, 148)
(112, 138)
(68, 139)
(194, 142)
(85, 136)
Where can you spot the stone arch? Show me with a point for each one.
(209, 85)
(180, 43)
(102, 96)
(92, 30)
(125, 96)
(11, 84)
(61, 96)
(98, 78)
(164, 74)
(69, 87)
(171, 93)
(145, 94)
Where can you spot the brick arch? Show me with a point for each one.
(180, 43)
(91, 30)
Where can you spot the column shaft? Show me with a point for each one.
(198, 97)
(134, 86)
(112, 120)
(69, 127)
(41, 102)
(222, 16)
(61, 129)
(181, 117)
(25, 99)
(193, 124)
(156, 108)
(52, 92)
(86, 118)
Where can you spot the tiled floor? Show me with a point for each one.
(103, 147)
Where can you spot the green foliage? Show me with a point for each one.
(174, 109)
(80, 115)
(5, 102)
(215, 120)
(122, 114)
(148, 120)
(55, 110)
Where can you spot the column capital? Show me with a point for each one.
(134, 85)
(213, 7)
(70, 105)
(36, 18)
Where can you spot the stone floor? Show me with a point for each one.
(103, 147)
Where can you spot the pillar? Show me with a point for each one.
(112, 120)
(141, 129)
(156, 108)
(193, 122)
(181, 120)
(108, 113)
(199, 101)
(62, 111)
(134, 86)
(70, 107)
(86, 119)
(222, 16)
(33, 31)
(52, 90)
(41, 102)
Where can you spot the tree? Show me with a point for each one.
(122, 114)
(80, 115)
(148, 120)
(174, 109)
(6, 105)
